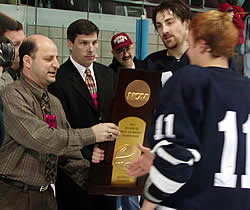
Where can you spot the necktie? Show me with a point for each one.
(91, 86)
(90, 82)
(51, 159)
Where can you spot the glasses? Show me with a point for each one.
(123, 50)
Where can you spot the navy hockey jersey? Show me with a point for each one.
(200, 136)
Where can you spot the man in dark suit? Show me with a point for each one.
(85, 89)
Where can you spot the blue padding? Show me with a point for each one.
(141, 38)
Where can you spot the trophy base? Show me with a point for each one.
(99, 182)
(117, 190)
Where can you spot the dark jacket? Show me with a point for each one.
(74, 95)
(81, 112)
(160, 61)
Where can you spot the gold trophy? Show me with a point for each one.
(132, 109)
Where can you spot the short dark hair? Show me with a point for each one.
(9, 24)
(28, 47)
(19, 26)
(81, 26)
(178, 7)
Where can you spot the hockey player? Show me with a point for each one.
(201, 128)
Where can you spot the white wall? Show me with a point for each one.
(54, 17)
(53, 23)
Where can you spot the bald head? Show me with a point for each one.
(38, 38)
(31, 44)
(38, 59)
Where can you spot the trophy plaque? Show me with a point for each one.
(132, 108)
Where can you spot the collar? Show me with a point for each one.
(33, 87)
(81, 69)
(133, 66)
(170, 57)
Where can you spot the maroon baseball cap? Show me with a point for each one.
(120, 40)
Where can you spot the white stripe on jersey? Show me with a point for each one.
(161, 143)
(163, 183)
(147, 194)
(169, 158)
(163, 154)
(196, 154)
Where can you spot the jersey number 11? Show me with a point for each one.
(227, 176)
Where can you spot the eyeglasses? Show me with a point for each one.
(124, 49)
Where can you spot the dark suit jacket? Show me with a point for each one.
(79, 106)
(76, 99)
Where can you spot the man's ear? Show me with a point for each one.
(27, 61)
(70, 45)
(113, 52)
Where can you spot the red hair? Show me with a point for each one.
(217, 30)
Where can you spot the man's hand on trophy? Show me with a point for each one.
(105, 132)
(142, 165)
(97, 155)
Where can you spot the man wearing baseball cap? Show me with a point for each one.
(123, 51)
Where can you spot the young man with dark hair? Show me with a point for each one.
(85, 89)
(199, 134)
(37, 132)
(171, 19)
(15, 33)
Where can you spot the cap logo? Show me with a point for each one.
(120, 39)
